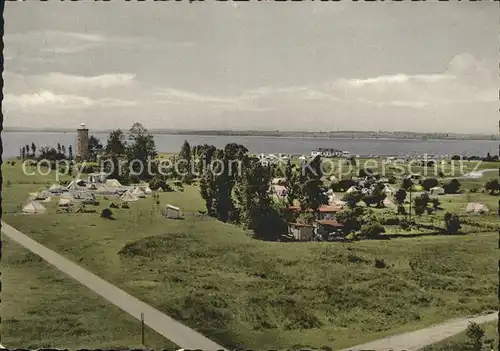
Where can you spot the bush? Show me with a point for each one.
(405, 224)
(475, 334)
(107, 213)
(380, 263)
(371, 230)
(158, 182)
(452, 223)
(392, 180)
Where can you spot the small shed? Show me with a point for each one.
(325, 227)
(301, 232)
(172, 211)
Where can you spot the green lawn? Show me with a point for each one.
(246, 293)
(460, 342)
(42, 307)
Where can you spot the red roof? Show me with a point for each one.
(330, 222)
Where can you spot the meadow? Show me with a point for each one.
(242, 292)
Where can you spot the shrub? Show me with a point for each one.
(475, 334)
(107, 213)
(158, 182)
(380, 263)
(134, 179)
(452, 223)
(371, 230)
(405, 224)
(392, 180)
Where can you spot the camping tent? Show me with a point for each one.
(56, 189)
(92, 186)
(42, 195)
(65, 202)
(113, 183)
(160, 190)
(138, 192)
(389, 203)
(129, 197)
(474, 207)
(103, 190)
(351, 189)
(33, 207)
(146, 189)
(437, 190)
(334, 179)
(388, 191)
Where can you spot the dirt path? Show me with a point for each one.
(417, 340)
(171, 329)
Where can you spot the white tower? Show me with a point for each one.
(82, 143)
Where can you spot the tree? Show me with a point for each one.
(141, 151)
(375, 195)
(312, 192)
(492, 186)
(256, 212)
(421, 203)
(291, 183)
(452, 187)
(354, 218)
(63, 150)
(452, 223)
(352, 199)
(95, 147)
(70, 152)
(58, 148)
(185, 156)
(400, 196)
(33, 149)
(23, 152)
(475, 334)
(406, 184)
(116, 144)
(429, 183)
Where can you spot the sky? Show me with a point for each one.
(310, 66)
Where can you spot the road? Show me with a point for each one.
(417, 340)
(174, 331)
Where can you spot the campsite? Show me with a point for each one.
(241, 291)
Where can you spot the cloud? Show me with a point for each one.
(48, 101)
(103, 81)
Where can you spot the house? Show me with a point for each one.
(327, 227)
(301, 232)
(97, 177)
(329, 153)
(172, 211)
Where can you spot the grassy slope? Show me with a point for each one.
(243, 292)
(41, 307)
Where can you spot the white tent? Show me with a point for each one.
(333, 179)
(389, 203)
(146, 189)
(42, 195)
(333, 199)
(277, 181)
(92, 186)
(103, 190)
(113, 183)
(34, 207)
(388, 191)
(351, 189)
(129, 197)
(474, 207)
(160, 190)
(437, 190)
(138, 192)
(65, 202)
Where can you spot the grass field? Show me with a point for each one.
(41, 308)
(459, 342)
(246, 293)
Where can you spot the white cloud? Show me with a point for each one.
(47, 101)
(103, 81)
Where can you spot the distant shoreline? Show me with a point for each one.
(300, 135)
